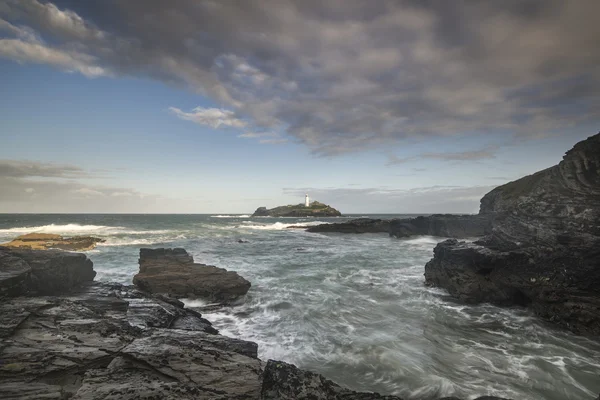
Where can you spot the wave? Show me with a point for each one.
(230, 216)
(53, 228)
(277, 226)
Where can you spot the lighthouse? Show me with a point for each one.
(306, 201)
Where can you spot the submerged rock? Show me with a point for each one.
(316, 209)
(173, 272)
(44, 241)
(544, 248)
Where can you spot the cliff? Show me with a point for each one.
(315, 209)
(544, 247)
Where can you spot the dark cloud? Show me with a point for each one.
(341, 75)
(470, 155)
(431, 199)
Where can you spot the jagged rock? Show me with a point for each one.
(315, 209)
(173, 272)
(112, 341)
(544, 248)
(282, 381)
(45, 241)
(361, 225)
(445, 225)
(44, 272)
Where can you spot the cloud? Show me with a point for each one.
(470, 155)
(213, 117)
(254, 135)
(428, 199)
(273, 141)
(23, 169)
(342, 75)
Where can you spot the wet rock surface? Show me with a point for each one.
(544, 248)
(45, 241)
(173, 272)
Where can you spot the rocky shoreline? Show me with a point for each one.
(64, 336)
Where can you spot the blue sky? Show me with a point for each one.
(75, 141)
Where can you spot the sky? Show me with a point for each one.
(203, 106)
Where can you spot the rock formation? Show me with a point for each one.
(446, 225)
(315, 209)
(544, 248)
(42, 272)
(44, 241)
(94, 341)
(173, 272)
(360, 225)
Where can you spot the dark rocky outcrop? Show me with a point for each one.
(361, 225)
(445, 225)
(173, 272)
(544, 248)
(42, 272)
(44, 241)
(316, 209)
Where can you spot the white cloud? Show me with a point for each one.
(70, 61)
(213, 117)
(88, 192)
(29, 190)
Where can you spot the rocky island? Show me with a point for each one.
(315, 209)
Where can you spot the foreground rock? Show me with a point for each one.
(42, 272)
(44, 241)
(173, 272)
(544, 249)
(315, 209)
(445, 225)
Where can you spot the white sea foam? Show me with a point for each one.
(53, 228)
(277, 226)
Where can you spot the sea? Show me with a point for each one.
(351, 307)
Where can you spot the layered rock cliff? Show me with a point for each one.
(544, 247)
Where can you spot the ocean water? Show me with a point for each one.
(351, 307)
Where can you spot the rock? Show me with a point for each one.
(361, 225)
(315, 209)
(45, 241)
(544, 248)
(111, 341)
(44, 272)
(282, 381)
(242, 241)
(173, 272)
(445, 225)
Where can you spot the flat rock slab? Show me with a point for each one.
(45, 241)
(173, 272)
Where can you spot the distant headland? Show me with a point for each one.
(308, 209)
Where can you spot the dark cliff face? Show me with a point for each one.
(544, 247)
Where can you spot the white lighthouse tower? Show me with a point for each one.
(306, 201)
